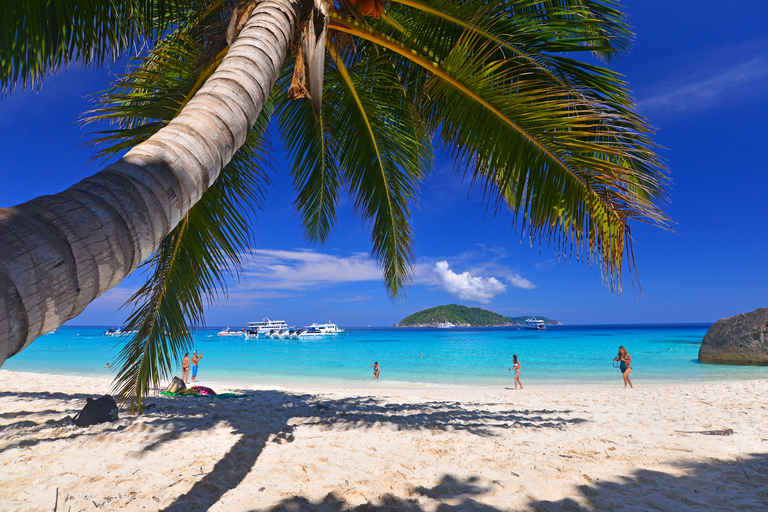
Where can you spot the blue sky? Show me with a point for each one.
(698, 72)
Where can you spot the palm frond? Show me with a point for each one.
(384, 152)
(38, 37)
(315, 173)
(564, 150)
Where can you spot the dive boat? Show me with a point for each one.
(535, 324)
(266, 325)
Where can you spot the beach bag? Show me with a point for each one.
(96, 411)
(176, 386)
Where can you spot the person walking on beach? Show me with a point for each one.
(516, 368)
(195, 359)
(375, 370)
(625, 365)
(185, 368)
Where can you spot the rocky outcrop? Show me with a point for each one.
(740, 339)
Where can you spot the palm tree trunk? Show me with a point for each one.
(58, 253)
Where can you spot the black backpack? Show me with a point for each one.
(97, 411)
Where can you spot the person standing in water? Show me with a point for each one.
(625, 365)
(516, 368)
(195, 359)
(375, 370)
(185, 368)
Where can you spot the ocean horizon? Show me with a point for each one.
(567, 355)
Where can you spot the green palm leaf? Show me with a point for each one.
(371, 142)
(38, 37)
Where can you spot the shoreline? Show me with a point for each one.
(296, 385)
(384, 448)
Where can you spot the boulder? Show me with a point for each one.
(740, 339)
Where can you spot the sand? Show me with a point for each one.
(382, 448)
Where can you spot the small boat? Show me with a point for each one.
(535, 324)
(231, 332)
(117, 331)
(251, 334)
(445, 324)
(53, 331)
(311, 333)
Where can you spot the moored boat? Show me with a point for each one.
(266, 326)
(535, 324)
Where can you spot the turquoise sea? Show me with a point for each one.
(561, 355)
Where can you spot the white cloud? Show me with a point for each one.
(299, 270)
(518, 281)
(467, 287)
(703, 90)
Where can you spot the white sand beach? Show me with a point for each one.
(381, 449)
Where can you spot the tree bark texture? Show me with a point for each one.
(58, 253)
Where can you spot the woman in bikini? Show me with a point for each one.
(625, 365)
(185, 368)
(516, 368)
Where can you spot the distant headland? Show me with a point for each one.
(463, 316)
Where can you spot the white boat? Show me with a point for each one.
(328, 328)
(535, 324)
(266, 325)
(116, 331)
(445, 324)
(231, 332)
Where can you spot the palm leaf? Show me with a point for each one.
(549, 146)
(38, 37)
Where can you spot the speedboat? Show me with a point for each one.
(535, 324)
(328, 328)
(231, 332)
(445, 324)
(310, 333)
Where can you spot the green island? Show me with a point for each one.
(455, 314)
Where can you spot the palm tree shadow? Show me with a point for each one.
(738, 486)
(347, 413)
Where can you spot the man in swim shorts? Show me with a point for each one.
(195, 359)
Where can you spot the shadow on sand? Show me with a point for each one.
(273, 412)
